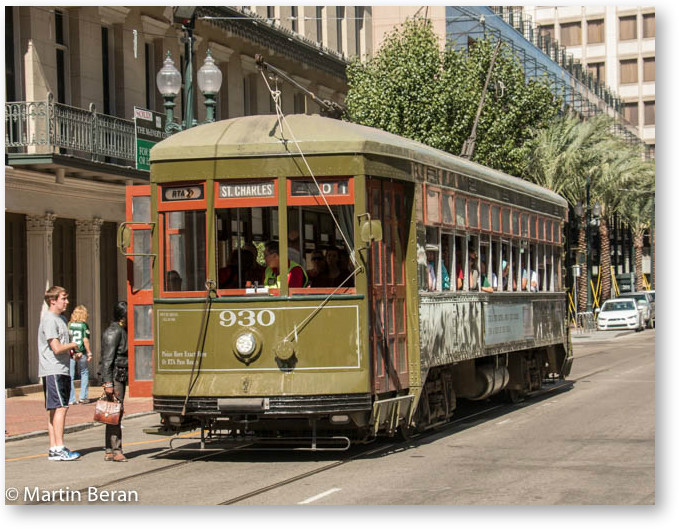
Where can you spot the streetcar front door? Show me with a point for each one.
(387, 287)
(139, 290)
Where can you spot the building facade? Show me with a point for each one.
(73, 78)
(616, 44)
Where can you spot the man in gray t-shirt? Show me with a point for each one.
(54, 349)
(52, 326)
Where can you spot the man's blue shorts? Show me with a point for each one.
(57, 390)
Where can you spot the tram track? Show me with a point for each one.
(420, 437)
(490, 410)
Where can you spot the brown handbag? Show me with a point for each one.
(108, 411)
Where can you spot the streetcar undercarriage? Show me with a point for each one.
(260, 422)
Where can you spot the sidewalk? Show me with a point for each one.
(25, 415)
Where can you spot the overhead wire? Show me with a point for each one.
(276, 96)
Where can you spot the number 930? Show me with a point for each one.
(247, 318)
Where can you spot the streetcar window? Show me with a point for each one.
(496, 218)
(185, 251)
(541, 232)
(532, 227)
(515, 223)
(506, 221)
(541, 268)
(484, 216)
(325, 232)
(524, 269)
(556, 232)
(447, 209)
(460, 257)
(505, 274)
(473, 264)
(485, 265)
(432, 206)
(494, 265)
(460, 211)
(516, 270)
(447, 261)
(534, 276)
(142, 265)
(241, 236)
(524, 227)
(473, 215)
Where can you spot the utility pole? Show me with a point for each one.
(469, 144)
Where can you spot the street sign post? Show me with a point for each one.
(149, 130)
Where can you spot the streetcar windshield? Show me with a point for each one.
(317, 237)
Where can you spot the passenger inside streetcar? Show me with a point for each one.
(318, 268)
(297, 276)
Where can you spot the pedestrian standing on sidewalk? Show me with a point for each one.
(80, 334)
(114, 372)
(54, 350)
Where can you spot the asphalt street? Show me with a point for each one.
(588, 442)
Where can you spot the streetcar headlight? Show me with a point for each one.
(245, 344)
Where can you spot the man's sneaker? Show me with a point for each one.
(63, 455)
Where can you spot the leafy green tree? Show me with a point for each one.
(414, 89)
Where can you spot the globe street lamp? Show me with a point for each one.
(169, 83)
(209, 83)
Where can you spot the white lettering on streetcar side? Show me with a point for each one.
(247, 318)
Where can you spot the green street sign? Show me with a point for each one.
(149, 130)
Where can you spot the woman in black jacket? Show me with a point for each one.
(114, 371)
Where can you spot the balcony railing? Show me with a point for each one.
(46, 127)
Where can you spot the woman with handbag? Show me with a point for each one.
(114, 372)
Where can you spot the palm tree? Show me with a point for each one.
(621, 166)
(565, 158)
(637, 209)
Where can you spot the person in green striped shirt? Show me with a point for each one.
(80, 334)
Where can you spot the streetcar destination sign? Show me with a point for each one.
(307, 188)
(246, 191)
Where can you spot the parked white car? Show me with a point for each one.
(621, 313)
(646, 298)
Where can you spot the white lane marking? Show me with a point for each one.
(319, 496)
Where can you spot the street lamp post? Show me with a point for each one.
(169, 83)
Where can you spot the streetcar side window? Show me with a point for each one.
(185, 251)
(435, 274)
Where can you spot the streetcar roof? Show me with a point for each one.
(260, 136)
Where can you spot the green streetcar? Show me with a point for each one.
(319, 283)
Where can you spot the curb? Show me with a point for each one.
(69, 429)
